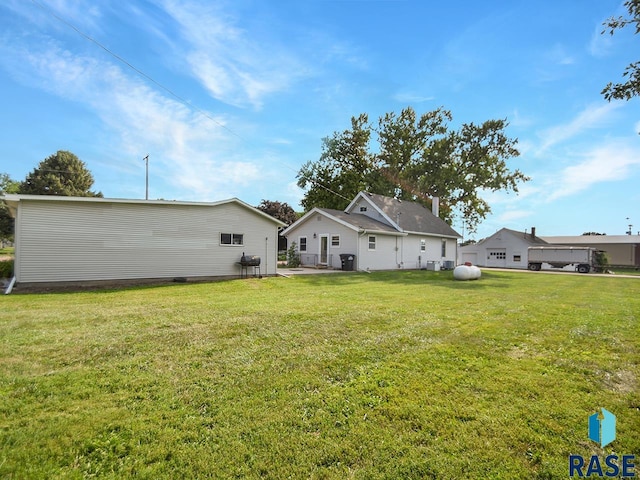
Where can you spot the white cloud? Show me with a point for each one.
(592, 116)
(600, 44)
(559, 55)
(294, 195)
(518, 120)
(411, 98)
(79, 13)
(186, 148)
(607, 163)
(512, 215)
(234, 66)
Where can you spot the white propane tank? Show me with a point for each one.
(466, 272)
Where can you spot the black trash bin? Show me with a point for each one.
(347, 260)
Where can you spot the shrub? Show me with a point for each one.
(293, 259)
(601, 261)
(6, 269)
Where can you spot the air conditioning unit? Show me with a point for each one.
(433, 266)
(448, 265)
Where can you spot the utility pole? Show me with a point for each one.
(146, 183)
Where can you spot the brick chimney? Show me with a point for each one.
(533, 232)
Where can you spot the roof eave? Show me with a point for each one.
(432, 234)
(16, 198)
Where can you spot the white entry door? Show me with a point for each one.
(324, 249)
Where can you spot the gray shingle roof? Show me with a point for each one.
(534, 240)
(359, 221)
(413, 217)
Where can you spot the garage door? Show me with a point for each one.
(497, 257)
(471, 257)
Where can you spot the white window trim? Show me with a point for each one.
(331, 245)
(231, 244)
(375, 243)
(423, 244)
(306, 243)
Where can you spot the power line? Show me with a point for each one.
(135, 69)
(166, 89)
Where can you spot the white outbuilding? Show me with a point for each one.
(76, 239)
(506, 249)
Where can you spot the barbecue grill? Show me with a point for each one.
(248, 261)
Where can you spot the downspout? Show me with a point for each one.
(456, 256)
(266, 256)
(398, 264)
(7, 291)
(364, 232)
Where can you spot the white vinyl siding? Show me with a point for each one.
(348, 240)
(74, 241)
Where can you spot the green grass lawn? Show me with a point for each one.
(626, 271)
(367, 376)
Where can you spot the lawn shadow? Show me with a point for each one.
(415, 277)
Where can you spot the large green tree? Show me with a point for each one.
(280, 210)
(7, 185)
(631, 86)
(345, 167)
(415, 158)
(60, 174)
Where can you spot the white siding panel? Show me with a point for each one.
(328, 227)
(384, 257)
(69, 241)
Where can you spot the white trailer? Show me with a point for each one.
(584, 258)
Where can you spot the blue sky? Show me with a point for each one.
(260, 83)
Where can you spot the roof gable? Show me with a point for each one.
(404, 215)
(524, 236)
(354, 221)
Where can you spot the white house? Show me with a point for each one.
(621, 250)
(63, 239)
(378, 232)
(506, 248)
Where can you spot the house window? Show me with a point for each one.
(372, 242)
(302, 244)
(516, 258)
(423, 245)
(363, 209)
(231, 239)
(335, 240)
(443, 248)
